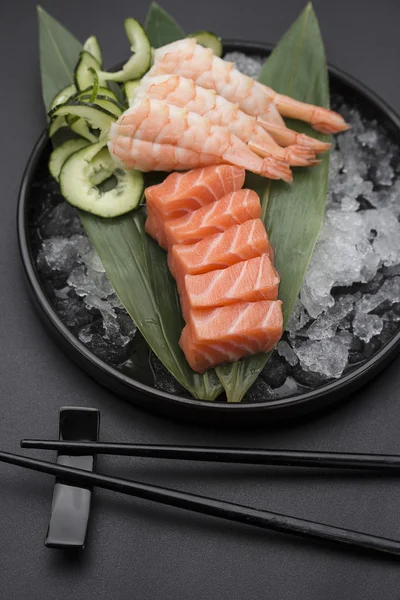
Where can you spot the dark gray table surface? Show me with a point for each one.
(137, 549)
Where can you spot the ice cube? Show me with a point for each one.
(349, 204)
(260, 391)
(275, 371)
(326, 325)
(249, 65)
(354, 157)
(93, 262)
(104, 339)
(90, 282)
(368, 137)
(388, 292)
(366, 326)
(327, 357)
(72, 312)
(386, 243)
(344, 236)
(62, 254)
(63, 220)
(284, 349)
(384, 171)
(298, 319)
(390, 198)
(85, 335)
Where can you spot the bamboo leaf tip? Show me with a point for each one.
(310, 9)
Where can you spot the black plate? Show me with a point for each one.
(217, 413)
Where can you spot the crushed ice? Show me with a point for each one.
(358, 249)
(350, 301)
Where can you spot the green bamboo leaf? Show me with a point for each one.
(161, 28)
(138, 270)
(293, 215)
(59, 52)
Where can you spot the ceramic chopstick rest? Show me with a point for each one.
(71, 504)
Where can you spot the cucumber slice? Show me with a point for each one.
(82, 76)
(57, 124)
(99, 176)
(97, 116)
(63, 95)
(93, 47)
(103, 101)
(209, 40)
(102, 91)
(78, 188)
(95, 88)
(130, 89)
(60, 155)
(140, 61)
(81, 128)
(119, 92)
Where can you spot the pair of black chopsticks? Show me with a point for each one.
(218, 508)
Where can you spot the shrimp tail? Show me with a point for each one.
(263, 144)
(239, 154)
(287, 137)
(300, 156)
(294, 156)
(276, 169)
(321, 119)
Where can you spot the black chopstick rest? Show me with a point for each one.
(71, 504)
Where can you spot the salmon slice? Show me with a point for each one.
(182, 193)
(238, 243)
(228, 333)
(154, 227)
(233, 209)
(246, 281)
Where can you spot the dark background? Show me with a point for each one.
(137, 549)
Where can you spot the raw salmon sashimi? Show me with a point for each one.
(155, 136)
(182, 193)
(246, 281)
(234, 208)
(238, 243)
(228, 333)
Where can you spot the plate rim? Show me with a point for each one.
(183, 407)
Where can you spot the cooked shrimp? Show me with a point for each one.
(155, 136)
(189, 59)
(184, 93)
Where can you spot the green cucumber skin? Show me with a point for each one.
(93, 47)
(62, 153)
(56, 124)
(209, 40)
(139, 63)
(82, 77)
(63, 95)
(78, 189)
(98, 117)
(130, 87)
(81, 128)
(102, 91)
(105, 102)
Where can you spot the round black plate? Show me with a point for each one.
(216, 413)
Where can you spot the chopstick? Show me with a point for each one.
(294, 458)
(210, 506)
